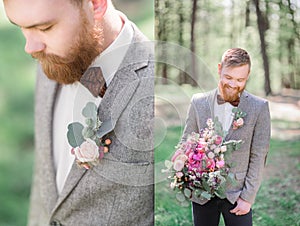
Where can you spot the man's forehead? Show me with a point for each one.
(32, 12)
(236, 71)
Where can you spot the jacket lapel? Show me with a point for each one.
(123, 85)
(244, 107)
(210, 100)
(48, 184)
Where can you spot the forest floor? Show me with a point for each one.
(284, 110)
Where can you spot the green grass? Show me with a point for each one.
(278, 199)
(16, 130)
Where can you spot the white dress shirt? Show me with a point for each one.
(71, 99)
(224, 114)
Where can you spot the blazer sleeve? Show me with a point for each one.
(258, 153)
(191, 121)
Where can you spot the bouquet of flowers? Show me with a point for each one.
(199, 167)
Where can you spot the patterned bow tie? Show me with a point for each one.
(94, 81)
(220, 100)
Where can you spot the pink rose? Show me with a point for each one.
(218, 140)
(87, 152)
(220, 163)
(179, 174)
(189, 150)
(198, 156)
(238, 123)
(210, 164)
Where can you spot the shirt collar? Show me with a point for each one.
(111, 58)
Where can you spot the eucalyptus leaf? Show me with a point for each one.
(197, 193)
(168, 164)
(90, 122)
(206, 195)
(185, 203)
(218, 127)
(205, 185)
(187, 192)
(87, 132)
(234, 110)
(180, 197)
(90, 111)
(74, 134)
(221, 192)
(231, 179)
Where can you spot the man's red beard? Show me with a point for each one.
(69, 69)
(230, 94)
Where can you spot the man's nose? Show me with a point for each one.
(232, 84)
(33, 43)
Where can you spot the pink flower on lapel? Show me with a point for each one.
(87, 146)
(238, 123)
(238, 120)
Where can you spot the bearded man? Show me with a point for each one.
(89, 52)
(253, 128)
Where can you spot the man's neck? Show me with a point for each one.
(112, 25)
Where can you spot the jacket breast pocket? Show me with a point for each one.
(133, 174)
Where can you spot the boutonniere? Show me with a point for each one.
(87, 147)
(238, 120)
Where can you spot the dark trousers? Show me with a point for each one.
(209, 214)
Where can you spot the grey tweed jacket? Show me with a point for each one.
(249, 160)
(118, 191)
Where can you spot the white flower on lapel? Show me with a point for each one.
(87, 146)
(87, 152)
(238, 120)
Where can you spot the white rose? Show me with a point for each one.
(87, 152)
(240, 122)
(223, 149)
(181, 157)
(172, 185)
(217, 150)
(211, 155)
(178, 165)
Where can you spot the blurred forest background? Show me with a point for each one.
(268, 29)
(17, 81)
(193, 35)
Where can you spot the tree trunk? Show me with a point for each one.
(291, 46)
(162, 35)
(182, 75)
(262, 27)
(193, 46)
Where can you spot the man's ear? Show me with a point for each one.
(219, 68)
(100, 7)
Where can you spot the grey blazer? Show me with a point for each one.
(118, 191)
(250, 158)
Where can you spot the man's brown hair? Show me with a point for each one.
(235, 57)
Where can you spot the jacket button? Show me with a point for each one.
(55, 223)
